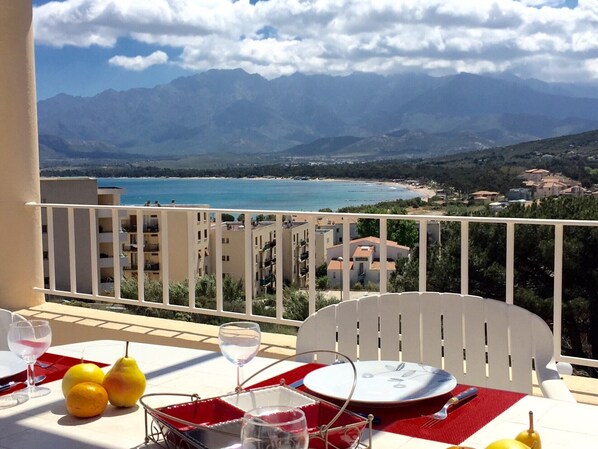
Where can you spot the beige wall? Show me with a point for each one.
(233, 252)
(324, 240)
(178, 244)
(21, 266)
(71, 191)
(292, 235)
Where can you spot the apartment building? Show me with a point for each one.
(336, 225)
(185, 233)
(324, 240)
(262, 256)
(80, 190)
(295, 253)
(364, 263)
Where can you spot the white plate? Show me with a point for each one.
(10, 364)
(381, 382)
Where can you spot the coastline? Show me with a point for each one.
(423, 191)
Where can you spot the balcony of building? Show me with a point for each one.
(275, 283)
(22, 278)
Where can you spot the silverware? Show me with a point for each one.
(443, 412)
(297, 383)
(12, 383)
(45, 365)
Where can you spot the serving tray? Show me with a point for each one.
(215, 423)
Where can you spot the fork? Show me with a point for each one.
(443, 412)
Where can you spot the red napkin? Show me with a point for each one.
(462, 422)
(60, 366)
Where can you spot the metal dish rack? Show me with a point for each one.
(176, 426)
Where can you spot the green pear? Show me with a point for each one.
(125, 382)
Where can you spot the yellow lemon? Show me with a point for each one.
(507, 444)
(86, 399)
(82, 372)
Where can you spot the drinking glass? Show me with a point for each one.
(274, 427)
(29, 340)
(239, 343)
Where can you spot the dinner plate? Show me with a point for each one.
(10, 364)
(381, 382)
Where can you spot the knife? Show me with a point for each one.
(12, 383)
(297, 383)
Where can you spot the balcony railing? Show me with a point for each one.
(421, 254)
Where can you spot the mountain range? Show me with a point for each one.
(359, 116)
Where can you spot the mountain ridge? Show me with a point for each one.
(232, 111)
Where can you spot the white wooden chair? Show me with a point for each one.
(482, 342)
(6, 317)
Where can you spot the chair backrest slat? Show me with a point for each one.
(497, 326)
(389, 327)
(475, 342)
(453, 336)
(346, 321)
(368, 313)
(521, 336)
(410, 329)
(431, 330)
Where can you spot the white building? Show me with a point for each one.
(365, 263)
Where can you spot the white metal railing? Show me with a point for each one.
(116, 212)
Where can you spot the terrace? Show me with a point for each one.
(22, 285)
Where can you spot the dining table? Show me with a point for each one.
(44, 422)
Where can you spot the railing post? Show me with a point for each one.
(383, 255)
(346, 272)
(510, 264)
(464, 257)
(423, 255)
(21, 267)
(558, 290)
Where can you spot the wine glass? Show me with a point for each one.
(29, 340)
(274, 427)
(239, 342)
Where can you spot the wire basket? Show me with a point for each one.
(189, 422)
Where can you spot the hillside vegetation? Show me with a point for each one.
(498, 169)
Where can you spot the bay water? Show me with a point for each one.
(254, 193)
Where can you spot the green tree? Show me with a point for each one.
(533, 263)
(403, 232)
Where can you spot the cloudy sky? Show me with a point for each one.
(86, 46)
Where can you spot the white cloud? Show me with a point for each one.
(539, 38)
(139, 63)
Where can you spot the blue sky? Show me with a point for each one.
(86, 46)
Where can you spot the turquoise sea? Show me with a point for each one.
(260, 194)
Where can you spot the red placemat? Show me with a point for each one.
(462, 422)
(60, 365)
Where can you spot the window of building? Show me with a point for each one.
(45, 228)
(205, 233)
(225, 258)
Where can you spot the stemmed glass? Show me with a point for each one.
(239, 343)
(29, 340)
(274, 427)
